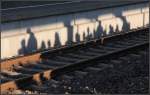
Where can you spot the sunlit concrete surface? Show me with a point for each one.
(22, 37)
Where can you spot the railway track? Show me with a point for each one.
(34, 69)
(121, 74)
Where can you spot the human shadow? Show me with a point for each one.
(99, 30)
(84, 37)
(104, 33)
(126, 25)
(98, 33)
(89, 35)
(111, 30)
(94, 34)
(57, 43)
(31, 45)
(32, 42)
(49, 44)
(23, 48)
(77, 37)
(117, 29)
(43, 46)
(69, 35)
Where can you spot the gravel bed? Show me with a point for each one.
(130, 77)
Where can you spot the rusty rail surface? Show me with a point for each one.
(37, 67)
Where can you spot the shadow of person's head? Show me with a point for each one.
(110, 26)
(29, 31)
(49, 43)
(99, 22)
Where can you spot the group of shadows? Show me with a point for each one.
(98, 33)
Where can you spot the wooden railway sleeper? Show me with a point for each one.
(114, 45)
(26, 70)
(79, 56)
(54, 62)
(89, 53)
(67, 59)
(124, 43)
(43, 66)
(106, 48)
(97, 50)
(14, 76)
(5, 79)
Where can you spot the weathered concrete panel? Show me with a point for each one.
(138, 20)
(21, 44)
(82, 32)
(26, 36)
(110, 25)
(5, 48)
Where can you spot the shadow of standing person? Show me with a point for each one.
(117, 29)
(99, 30)
(77, 37)
(22, 50)
(57, 43)
(104, 32)
(32, 42)
(69, 35)
(49, 44)
(43, 46)
(111, 30)
(84, 37)
(126, 24)
(89, 35)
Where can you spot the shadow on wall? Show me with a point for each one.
(126, 24)
(69, 34)
(111, 30)
(87, 35)
(77, 37)
(99, 31)
(23, 48)
(117, 29)
(31, 45)
(43, 46)
(32, 41)
(57, 43)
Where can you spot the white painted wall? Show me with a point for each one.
(66, 27)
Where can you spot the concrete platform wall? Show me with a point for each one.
(22, 37)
